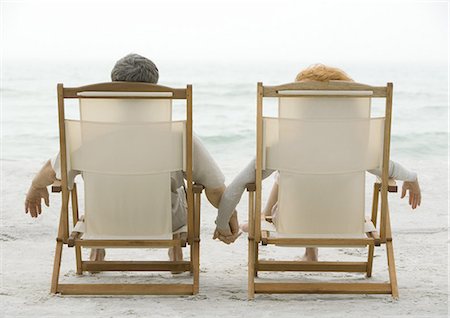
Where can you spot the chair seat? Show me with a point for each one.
(270, 227)
(285, 240)
(81, 228)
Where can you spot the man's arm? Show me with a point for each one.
(207, 172)
(38, 190)
(234, 191)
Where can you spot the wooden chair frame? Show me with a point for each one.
(72, 239)
(256, 236)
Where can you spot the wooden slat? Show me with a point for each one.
(64, 216)
(183, 239)
(198, 188)
(392, 185)
(320, 241)
(56, 186)
(318, 95)
(251, 246)
(195, 249)
(75, 217)
(189, 164)
(322, 288)
(128, 243)
(56, 267)
(375, 236)
(102, 266)
(390, 257)
(250, 187)
(385, 165)
(125, 289)
(374, 217)
(125, 97)
(272, 91)
(301, 266)
(178, 93)
(264, 237)
(259, 157)
(72, 237)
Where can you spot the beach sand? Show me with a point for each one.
(420, 244)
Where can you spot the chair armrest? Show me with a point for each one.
(251, 187)
(56, 186)
(198, 188)
(392, 185)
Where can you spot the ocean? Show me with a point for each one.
(224, 103)
(224, 99)
(224, 118)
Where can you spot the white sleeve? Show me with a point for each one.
(233, 193)
(397, 172)
(205, 169)
(56, 165)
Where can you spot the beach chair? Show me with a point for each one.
(126, 145)
(322, 142)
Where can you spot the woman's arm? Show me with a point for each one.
(234, 191)
(410, 182)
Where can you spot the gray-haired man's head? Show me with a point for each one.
(135, 68)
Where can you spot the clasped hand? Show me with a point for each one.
(230, 235)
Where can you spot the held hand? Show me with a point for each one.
(33, 200)
(230, 235)
(415, 196)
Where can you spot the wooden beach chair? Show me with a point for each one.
(322, 142)
(126, 145)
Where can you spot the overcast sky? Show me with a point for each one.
(407, 31)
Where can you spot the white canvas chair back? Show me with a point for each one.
(322, 147)
(126, 150)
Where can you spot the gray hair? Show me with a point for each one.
(135, 68)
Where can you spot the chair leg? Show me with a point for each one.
(251, 268)
(376, 195)
(79, 260)
(391, 267)
(195, 250)
(56, 267)
(196, 266)
(256, 259)
(370, 261)
(75, 217)
(252, 253)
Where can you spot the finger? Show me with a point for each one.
(420, 199)
(223, 239)
(215, 235)
(230, 239)
(26, 207)
(33, 210)
(39, 208)
(410, 198)
(225, 233)
(47, 200)
(234, 237)
(36, 210)
(403, 193)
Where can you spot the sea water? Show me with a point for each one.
(224, 97)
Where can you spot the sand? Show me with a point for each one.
(27, 250)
